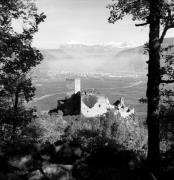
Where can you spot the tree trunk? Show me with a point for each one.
(15, 109)
(153, 88)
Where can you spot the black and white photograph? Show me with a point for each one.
(86, 89)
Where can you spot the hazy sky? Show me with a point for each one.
(84, 21)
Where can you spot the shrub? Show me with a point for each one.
(128, 132)
(46, 128)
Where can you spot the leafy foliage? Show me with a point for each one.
(17, 58)
(137, 9)
(46, 128)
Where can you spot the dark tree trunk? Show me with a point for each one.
(15, 109)
(153, 88)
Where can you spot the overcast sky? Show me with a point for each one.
(84, 21)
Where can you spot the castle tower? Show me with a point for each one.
(73, 86)
(77, 85)
(122, 102)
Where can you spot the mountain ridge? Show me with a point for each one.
(109, 59)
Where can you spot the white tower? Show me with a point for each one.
(73, 86)
(77, 85)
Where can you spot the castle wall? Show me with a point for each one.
(101, 107)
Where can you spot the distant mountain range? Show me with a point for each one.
(93, 59)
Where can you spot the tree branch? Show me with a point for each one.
(167, 81)
(142, 24)
(168, 25)
(166, 28)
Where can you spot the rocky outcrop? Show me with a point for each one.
(121, 108)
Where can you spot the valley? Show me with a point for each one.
(131, 88)
(114, 71)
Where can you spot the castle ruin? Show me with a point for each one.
(89, 104)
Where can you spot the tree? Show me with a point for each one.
(157, 14)
(17, 57)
